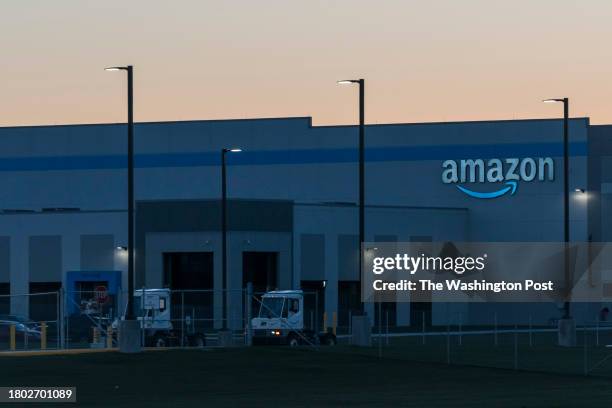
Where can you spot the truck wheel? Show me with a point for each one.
(159, 341)
(293, 341)
(330, 341)
(198, 341)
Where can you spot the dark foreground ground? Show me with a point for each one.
(274, 377)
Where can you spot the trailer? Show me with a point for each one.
(280, 321)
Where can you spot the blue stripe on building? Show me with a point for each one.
(305, 156)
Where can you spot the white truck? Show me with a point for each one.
(154, 314)
(281, 321)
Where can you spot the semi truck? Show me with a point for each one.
(280, 321)
(155, 317)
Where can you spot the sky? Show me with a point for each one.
(444, 60)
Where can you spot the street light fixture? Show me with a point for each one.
(566, 236)
(361, 83)
(224, 152)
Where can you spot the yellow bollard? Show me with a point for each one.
(12, 337)
(109, 336)
(334, 322)
(325, 322)
(43, 335)
(96, 336)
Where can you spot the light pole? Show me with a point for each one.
(130, 169)
(130, 328)
(224, 152)
(565, 101)
(361, 83)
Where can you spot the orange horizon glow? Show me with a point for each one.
(197, 60)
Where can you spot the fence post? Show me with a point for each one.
(530, 332)
(423, 330)
(448, 361)
(325, 322)
(249, 295)
(59, 319)
(143, 324)
(334, 321)
(597, 331)
(350, 326)
(316, 320)
(109, 336)
(495, 328)
(43, 335)
(460, 329)
(66, 321)
(586, 365)
(96, 335)
(515, 346)
(12, 337)
(387, 328)
(379, 329)
(182, 316)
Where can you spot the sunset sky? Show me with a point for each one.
(439, 60)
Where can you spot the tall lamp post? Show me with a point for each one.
(130, 169)
(128, 342)
(565, 102)
(224, 153)
(361, 83)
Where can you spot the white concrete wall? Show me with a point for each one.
(70, 226)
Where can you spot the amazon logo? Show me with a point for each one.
(487, 179)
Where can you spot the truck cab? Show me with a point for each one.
(152, 308)
(281, 321)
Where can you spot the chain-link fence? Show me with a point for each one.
(30, 321)
(508, 340)
(169, 318)
(90, 319)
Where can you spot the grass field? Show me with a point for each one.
(275, 377)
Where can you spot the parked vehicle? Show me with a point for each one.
(23, 327)
(281, 321)
(154, 314)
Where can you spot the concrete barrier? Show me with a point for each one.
(361, 331)
(129, 341)
(567, 332)
(225, 338)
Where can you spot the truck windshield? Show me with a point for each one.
(271, 307)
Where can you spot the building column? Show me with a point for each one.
(19, 275)
(71, 255)
(331, 274)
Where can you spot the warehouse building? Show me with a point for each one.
(292, 201)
